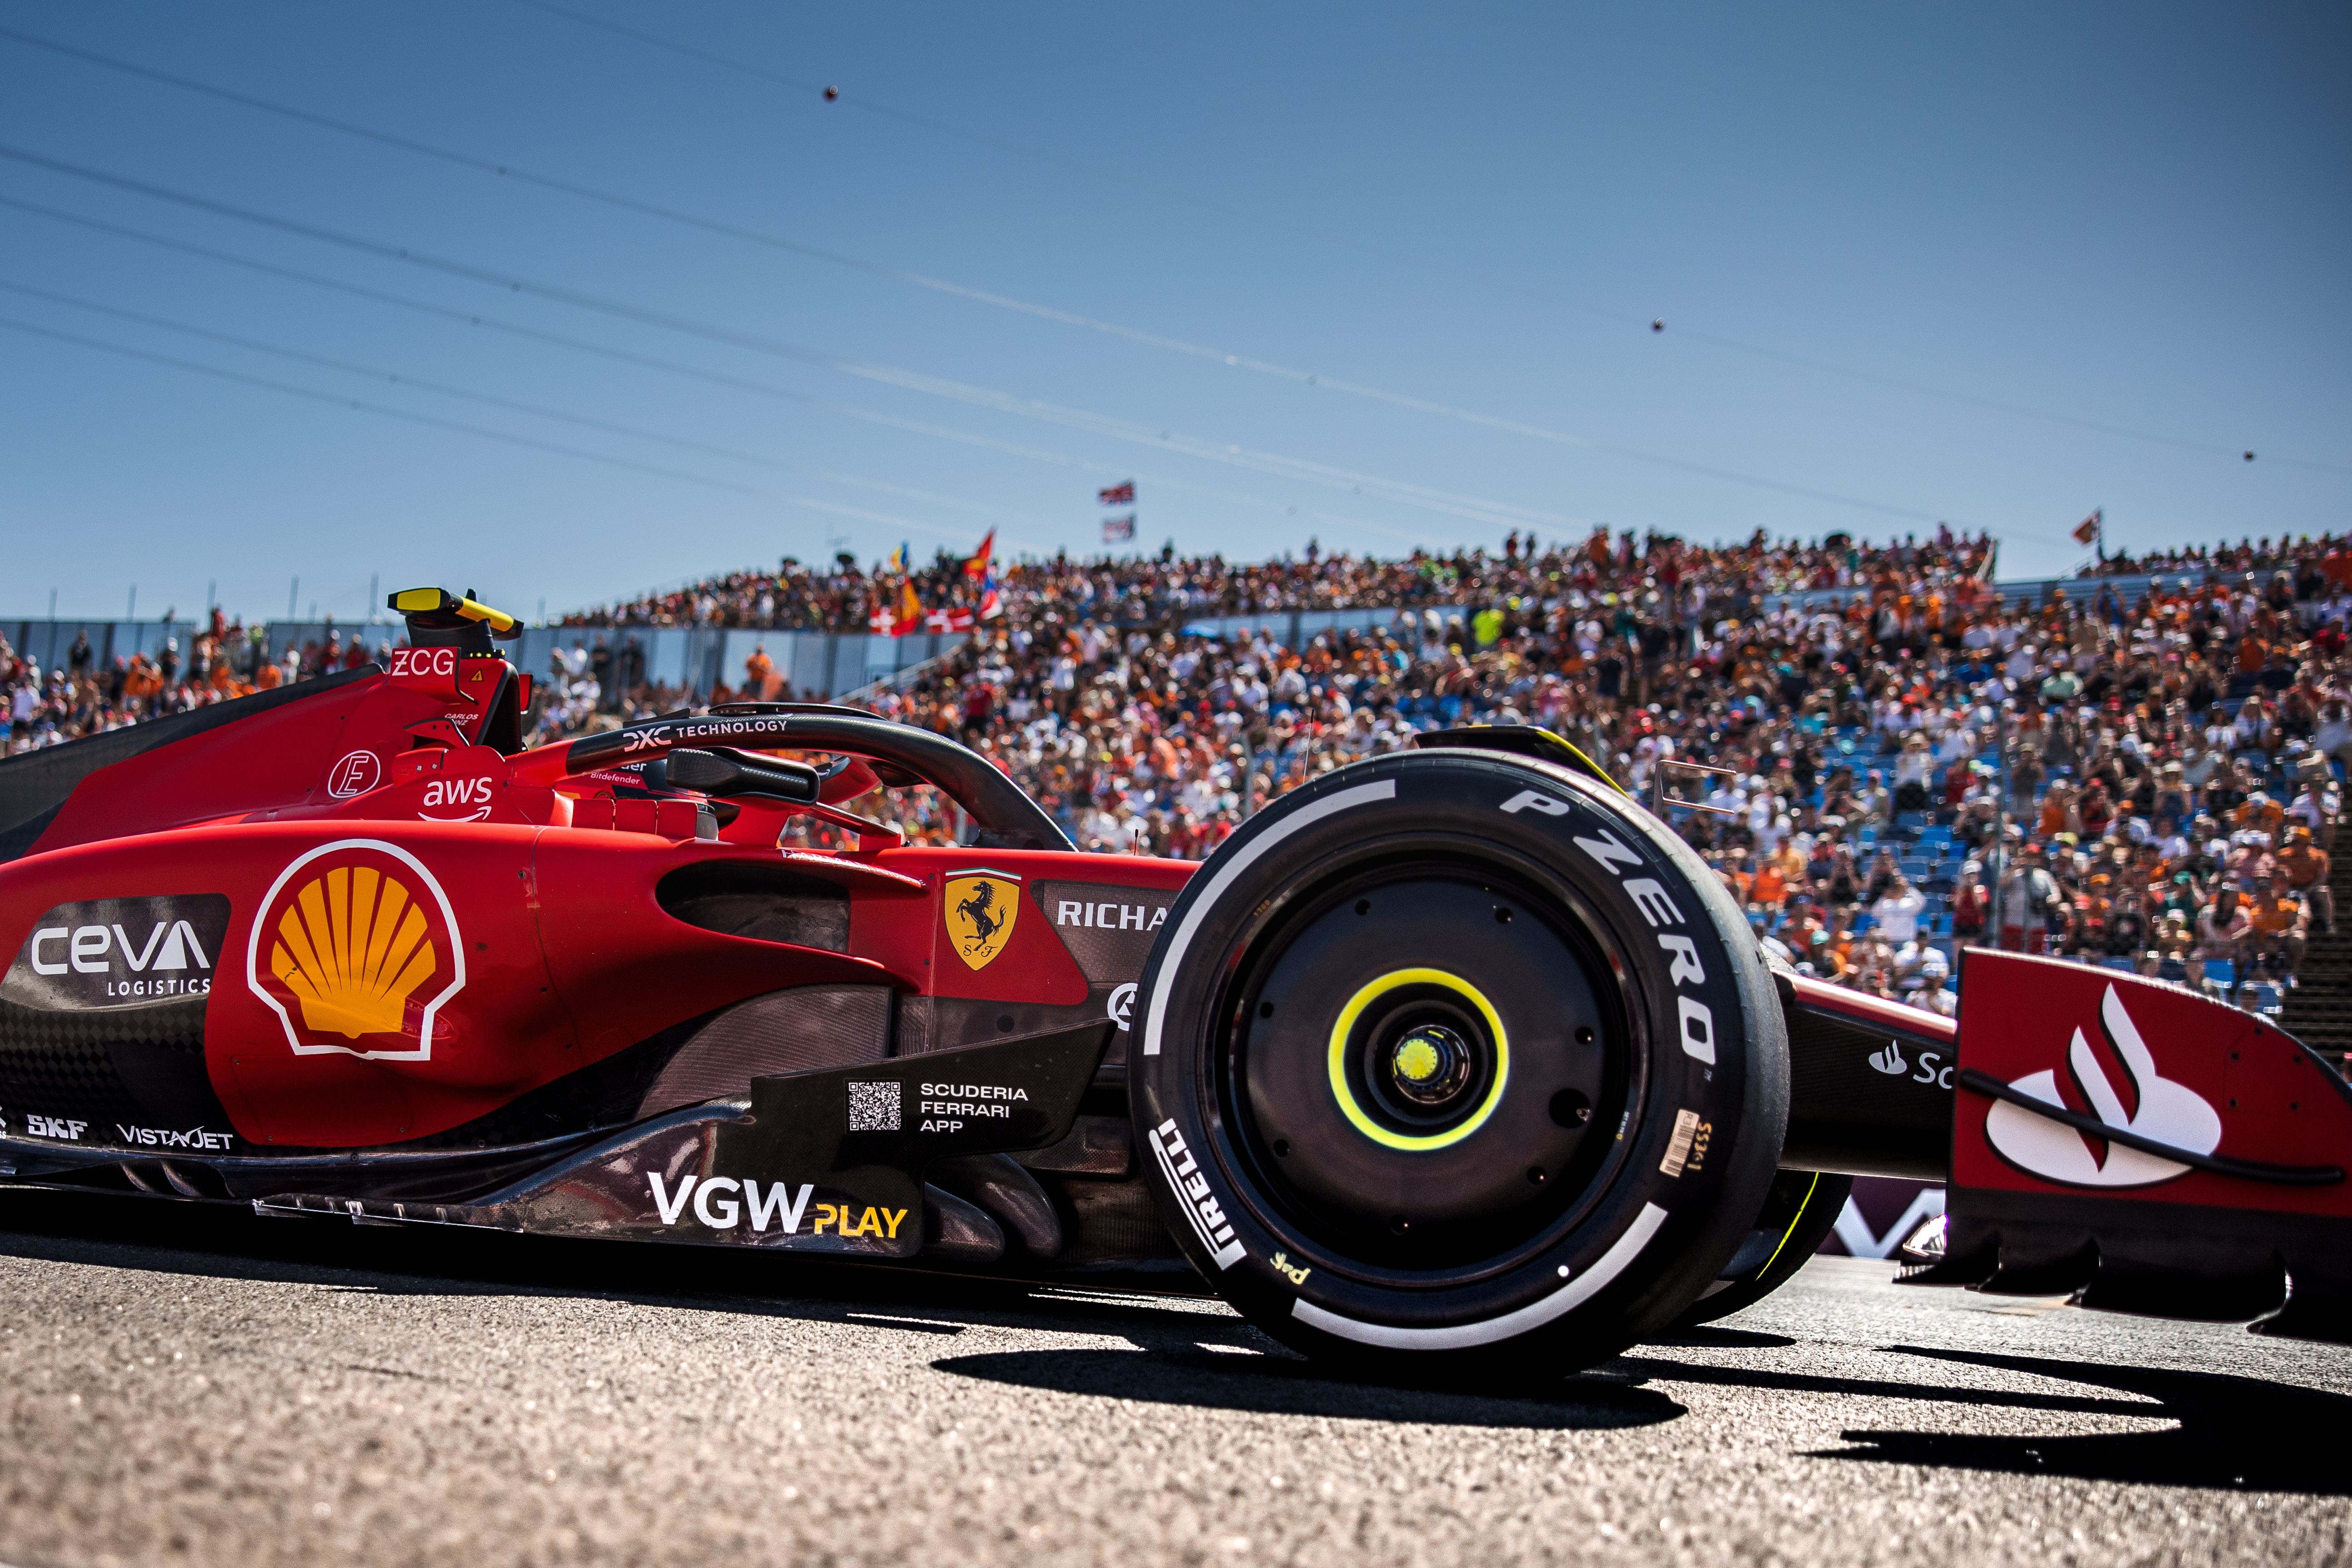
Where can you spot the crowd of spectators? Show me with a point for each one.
(1880, 757)
(1902, 768)
(82, 694)
(844, 597)
(1153, 590)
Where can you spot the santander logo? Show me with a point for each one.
(2124, 1090)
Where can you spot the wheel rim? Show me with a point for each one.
(1425, 1122)
(1403, 1056)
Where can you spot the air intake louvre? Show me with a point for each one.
(762, 901)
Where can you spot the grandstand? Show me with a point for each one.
(1886, 753)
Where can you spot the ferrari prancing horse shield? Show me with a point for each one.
(981, 906)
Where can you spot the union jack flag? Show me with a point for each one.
(1119, 529)
(1117, 495)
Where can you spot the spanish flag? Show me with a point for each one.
(977, 568)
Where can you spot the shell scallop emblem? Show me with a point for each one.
(354, 947)
(356, 951)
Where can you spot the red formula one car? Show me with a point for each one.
(1454, 1059)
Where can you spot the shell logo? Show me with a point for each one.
(356, 951)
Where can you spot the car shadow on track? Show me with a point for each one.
(1282, 1386)
(229, 1242)
(2238, 1433)
(1707, 1336)
(1183, 1343)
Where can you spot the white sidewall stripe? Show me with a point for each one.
(1534, 1315)
(1343, 800)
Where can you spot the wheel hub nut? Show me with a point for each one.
(1430, 1065)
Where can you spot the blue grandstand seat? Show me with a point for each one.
(2125, 965)
(2174, 970)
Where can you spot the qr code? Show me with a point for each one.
(874, 1107)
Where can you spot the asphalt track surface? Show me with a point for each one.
(201, 1387)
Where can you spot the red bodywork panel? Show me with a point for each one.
(418, 933)
(2150, 1058)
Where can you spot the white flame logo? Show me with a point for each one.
(2166, 1111)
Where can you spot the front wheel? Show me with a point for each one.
(1458, 1062)
(1801, 1209)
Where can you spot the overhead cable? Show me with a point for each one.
(699, 372)
(1618, 317)
(363, 405)
(1052, 313)
(1498, 514)
(512, 404)
(1495, 513)
(337, 400)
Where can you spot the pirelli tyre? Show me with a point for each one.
(1458, 1062)
(1801, 1208)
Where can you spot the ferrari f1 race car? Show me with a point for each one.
(1455, 1061)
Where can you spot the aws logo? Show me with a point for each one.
(461, 800)
(980, 908)
(356, 951)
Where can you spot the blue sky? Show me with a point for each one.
(1994, 266)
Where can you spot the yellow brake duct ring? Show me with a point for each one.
(1346, 1026)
